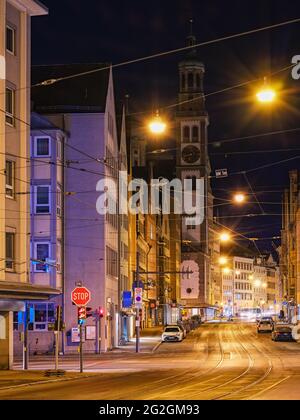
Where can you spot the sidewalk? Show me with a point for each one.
(16, 378)
(149, 341)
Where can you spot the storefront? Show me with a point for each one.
(13, 298)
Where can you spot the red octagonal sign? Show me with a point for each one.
(81, 296)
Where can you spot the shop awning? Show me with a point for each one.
(26, 291)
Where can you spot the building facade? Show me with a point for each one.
(15, 60)
(193, 163)
(84, 108)
(251, 284)
(290, 245)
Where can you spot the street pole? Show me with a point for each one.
(137, 317)
(56, 334)
(25, 343)
(80, 349)
(56, 349)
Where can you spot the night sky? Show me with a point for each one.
(116, 31)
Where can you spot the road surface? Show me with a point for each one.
(216, 362)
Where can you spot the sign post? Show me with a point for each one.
(81, 296)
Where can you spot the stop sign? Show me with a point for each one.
(81, 296)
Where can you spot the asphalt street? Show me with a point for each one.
(215, 362)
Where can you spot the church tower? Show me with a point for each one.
(193, 163)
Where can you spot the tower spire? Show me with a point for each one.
(191, 39)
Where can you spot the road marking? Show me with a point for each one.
(157, 346)
(269, 388)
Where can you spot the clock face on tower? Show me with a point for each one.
(190, 154)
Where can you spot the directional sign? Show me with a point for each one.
(81, 296)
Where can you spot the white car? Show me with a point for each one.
(265, 326)
(172, 333)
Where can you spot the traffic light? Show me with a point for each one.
(101, 312)
(89, 312)
(81, 315)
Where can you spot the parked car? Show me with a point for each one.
(268, 318)
(265, 326)
(181, 326)
(172, 333)
(282, 333)
(196, 320)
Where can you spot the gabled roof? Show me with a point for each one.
(39, 122)
(86, 93)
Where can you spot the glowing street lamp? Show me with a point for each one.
(225, 237)
(239, 198)
(267, 94)
(257, 283)
(157, 125)
(223, 261)
(226, 270)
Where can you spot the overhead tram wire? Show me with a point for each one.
(169, 52)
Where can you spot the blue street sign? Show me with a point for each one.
(20, 317)
(127, 299)
(31, 315)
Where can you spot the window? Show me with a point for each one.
(42, 199)
(44, 313)
(10, 251)
(10, 175)
(183, 79)
(112, 262)
(186, 134)
(195, 134)
(198, 81)
(10, 106)
(190, 80)
(11, 40)
(58, 202)
(42, 253)
(42, 146)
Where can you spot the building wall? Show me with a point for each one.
(14, 145)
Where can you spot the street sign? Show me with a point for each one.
(221, 173)
(127, 299)
(81, 296)
(138, 297)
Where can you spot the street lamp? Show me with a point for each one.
(225, 237)
(239, 198)
(223, 261)
(226, 270)
(157, 126)
(267, 94)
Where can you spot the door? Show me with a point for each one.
(4, 340)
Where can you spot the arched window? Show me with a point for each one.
(190, 80)
(198, 81)
(195, 134)
(186, 134)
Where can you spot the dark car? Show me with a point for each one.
(282, 333)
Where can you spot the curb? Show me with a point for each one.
(47, 382)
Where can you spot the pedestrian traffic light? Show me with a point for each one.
(81, 315)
